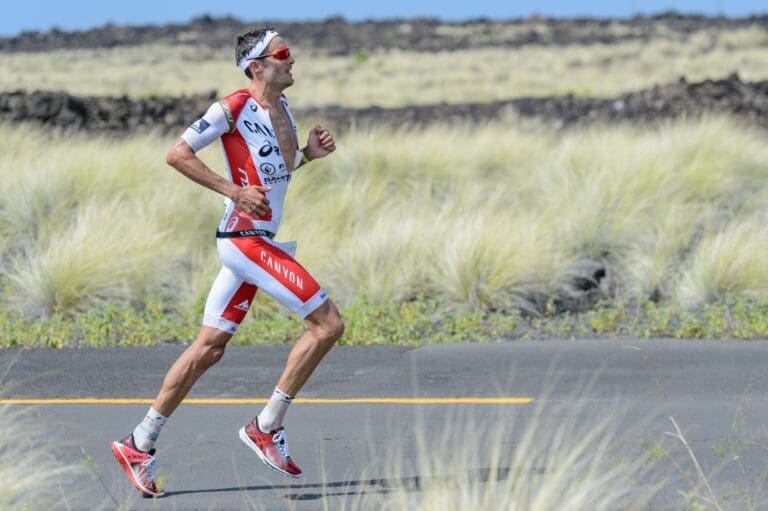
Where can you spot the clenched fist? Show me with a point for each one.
(319, 143)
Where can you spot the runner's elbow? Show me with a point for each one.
(177, 153)
(172, 157)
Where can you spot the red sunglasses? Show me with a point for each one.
(281, 54)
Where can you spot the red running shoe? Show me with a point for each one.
(139, 465)
(271, 447)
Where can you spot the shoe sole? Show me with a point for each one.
(249, 443)
(127, 467)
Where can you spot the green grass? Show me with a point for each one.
(441, 234)
(409, 323)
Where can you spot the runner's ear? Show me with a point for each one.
(257, 66)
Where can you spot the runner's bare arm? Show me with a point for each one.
(251, 199)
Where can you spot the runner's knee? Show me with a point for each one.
(325, 324)
(330, 330)
(208, 355)
(335, 329)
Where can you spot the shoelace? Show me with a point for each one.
(281, 441)
(149, 464)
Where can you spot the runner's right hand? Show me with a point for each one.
(252, 200)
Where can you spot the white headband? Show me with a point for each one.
(258, 49)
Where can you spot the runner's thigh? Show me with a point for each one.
(274, 271)
(228, 301)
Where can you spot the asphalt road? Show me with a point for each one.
(355, 454)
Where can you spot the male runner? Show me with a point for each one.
(258, 136)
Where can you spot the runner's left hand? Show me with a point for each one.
(320, 143)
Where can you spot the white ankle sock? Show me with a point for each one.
(146, 433)
(271, 417)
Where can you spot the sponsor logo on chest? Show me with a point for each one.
(272, 174)
(256, 128)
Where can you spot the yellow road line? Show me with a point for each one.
(252, 401)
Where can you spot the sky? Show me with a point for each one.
(43, 15)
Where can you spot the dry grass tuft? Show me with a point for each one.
(31, 477)
(672, 212)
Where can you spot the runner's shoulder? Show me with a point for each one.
(233, 104)
(238, 98)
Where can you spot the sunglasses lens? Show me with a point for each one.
(281, 54)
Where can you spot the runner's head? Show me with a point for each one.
(262, 52)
